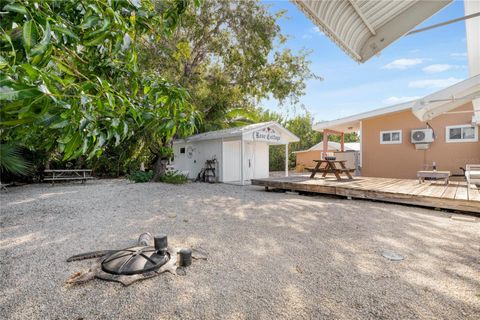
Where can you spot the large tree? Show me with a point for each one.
(70, 80)
(230, 56)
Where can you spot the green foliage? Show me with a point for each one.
(277, 158)
(229, 55)
(140, 176)
(12, 161)
(173, 177)
(70, 80)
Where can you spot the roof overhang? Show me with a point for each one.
(245, 131)
(364, 28)
(352, 123)
(424, 109)
(287, 135)
(447, 99)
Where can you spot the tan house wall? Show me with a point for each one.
(305, 159)
(403, 160)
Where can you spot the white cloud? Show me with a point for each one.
(396, 100)
(435, 68)
(434, 83)
(458, 54)
(312, 31)
(402, 64)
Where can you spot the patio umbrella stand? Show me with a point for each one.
(136, 263)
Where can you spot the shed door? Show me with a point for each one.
(231, 161)
(249, 160)
(261, 169)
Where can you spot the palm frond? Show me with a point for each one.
(12, 161)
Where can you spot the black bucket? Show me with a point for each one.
(184, 257)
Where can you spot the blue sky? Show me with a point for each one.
(411, 67)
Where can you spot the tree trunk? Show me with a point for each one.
(159, 168)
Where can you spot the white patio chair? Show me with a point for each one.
(472, 173)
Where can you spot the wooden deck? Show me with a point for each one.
(428, 194)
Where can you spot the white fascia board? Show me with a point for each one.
(241, 132)
(291, 137)
(365, 115)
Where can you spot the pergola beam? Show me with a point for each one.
(327, 132)
(330, 131)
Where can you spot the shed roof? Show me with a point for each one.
(239, 131)
(363, 28)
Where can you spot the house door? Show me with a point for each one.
(249, 160)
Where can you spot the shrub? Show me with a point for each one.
(140, 176)
(174, 177)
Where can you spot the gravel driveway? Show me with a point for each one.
(271, 255)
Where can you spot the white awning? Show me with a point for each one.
(363, 28)
(447, 99)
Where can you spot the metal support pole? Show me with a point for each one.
(286, 159)
(242, 160)
(473, 15)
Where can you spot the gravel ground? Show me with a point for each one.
(271, 255)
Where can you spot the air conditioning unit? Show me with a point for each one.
(422, 136)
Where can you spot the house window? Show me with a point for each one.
(462, 133)
(182, 150)
(391, 137)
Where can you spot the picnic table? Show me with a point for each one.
(68, 174)
(331, 167)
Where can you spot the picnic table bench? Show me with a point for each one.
(331, 167)
(68, 174)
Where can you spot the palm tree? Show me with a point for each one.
(12, 161)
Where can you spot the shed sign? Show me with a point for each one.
(267, 134)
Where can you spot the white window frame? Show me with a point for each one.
(447, 133)
(390, 132)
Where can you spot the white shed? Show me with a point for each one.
(247, 145)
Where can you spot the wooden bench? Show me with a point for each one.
(68, 175)
(436, 175)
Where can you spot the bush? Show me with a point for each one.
(174, 177)
(140, 176)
